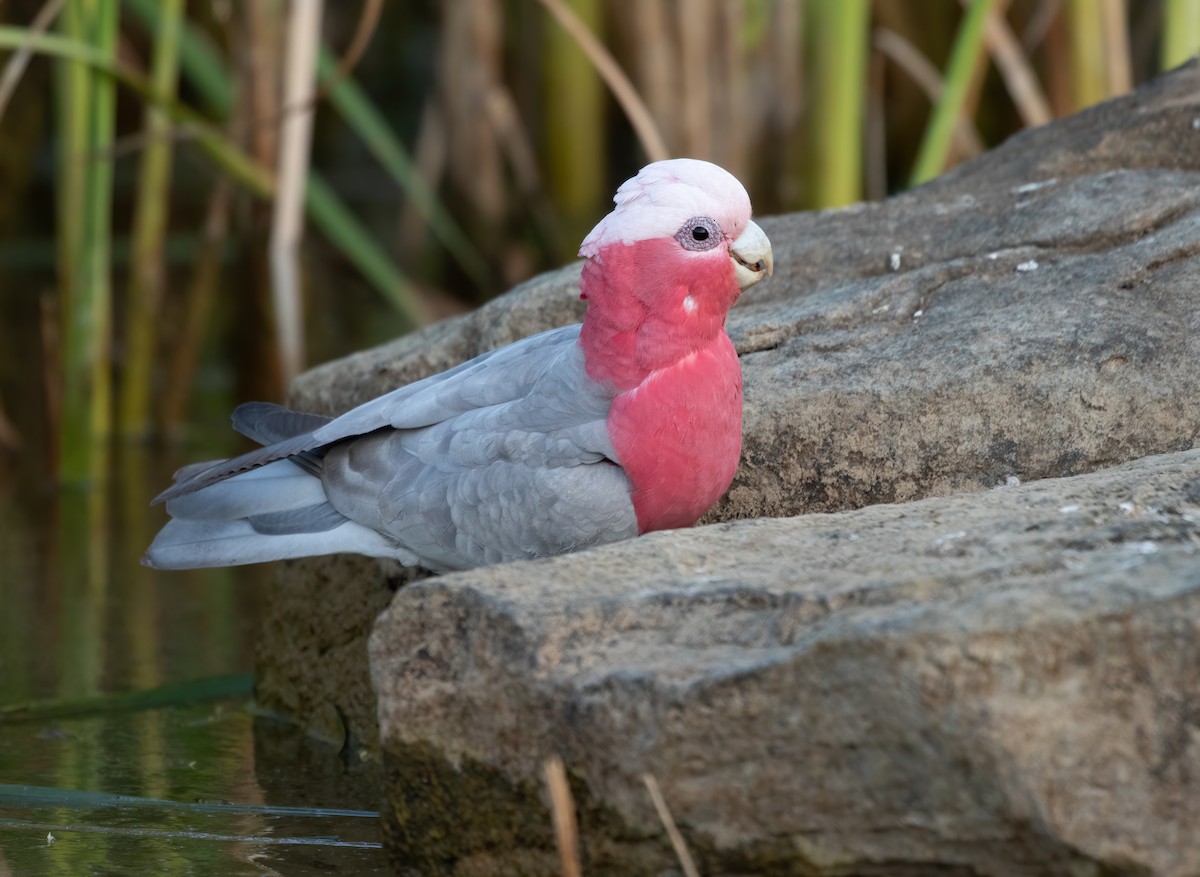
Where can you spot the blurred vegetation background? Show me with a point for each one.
(201, 197)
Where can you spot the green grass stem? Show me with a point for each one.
(1085, 26)
(221, 151)
(332, 216)
(345, 233)
(150, 219)
(348, 98)
(964, 56)
(169, 695)
(839, 39)
(90, 107)
(573, 135)
(200, 59)
(1181, 32)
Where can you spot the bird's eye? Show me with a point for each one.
(699, 233)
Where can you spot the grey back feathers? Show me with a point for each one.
(503, 457)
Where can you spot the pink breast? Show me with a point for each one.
(678, 436)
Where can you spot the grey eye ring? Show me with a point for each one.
(699, 233)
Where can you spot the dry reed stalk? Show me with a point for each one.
(256, 39)
(1020, 80)
(50, 332)
(9, 437)
(784, 73)
(562, 807)
(471, 64)
(287, 223)
(1119, 69)
(694, 23)
(983, 60)
(429, 163)
(1039, 25)
(734, 114)
(664, 814)
(614, 77)
(657, 60)
(501, 109)
(876, 150)
(14, 69)
(1057, 67)
(920, 69)
(948, 111)
(151, 217)
(368, 23)
(201, 291)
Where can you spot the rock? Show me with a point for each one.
(1034, 313)
(997, 683)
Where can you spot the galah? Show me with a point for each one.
(627, 423)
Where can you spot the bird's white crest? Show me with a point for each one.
(666, 194)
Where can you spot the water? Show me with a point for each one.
(194, 785)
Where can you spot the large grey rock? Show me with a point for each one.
(1034, 313)
(996, 683)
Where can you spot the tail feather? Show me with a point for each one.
(268, 423)
(185, 544)
(271, 513)
(277, 487)
(311, 519)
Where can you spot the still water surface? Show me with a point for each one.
(200, 785)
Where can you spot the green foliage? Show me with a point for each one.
(964, 59)
(87, 114)
(840, 35)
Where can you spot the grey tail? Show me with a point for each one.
(286, 434)
(266, 505)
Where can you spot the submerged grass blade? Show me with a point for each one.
(131, 831)
(968, 44)
(171, 694)
(12, 794)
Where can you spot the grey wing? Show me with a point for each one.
(529, 477)
(491, 378)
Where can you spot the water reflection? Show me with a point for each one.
(81, 618)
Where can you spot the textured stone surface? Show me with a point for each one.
(1002, 682)
(1033, 313)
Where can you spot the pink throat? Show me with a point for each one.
(650, 304)
(654, 331)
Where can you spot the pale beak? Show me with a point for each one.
(751, 254)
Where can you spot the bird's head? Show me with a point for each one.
(664, 268)
(685, 211)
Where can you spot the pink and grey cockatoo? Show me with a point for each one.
(627, 423)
